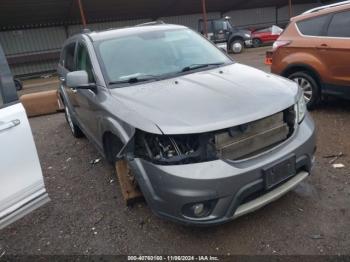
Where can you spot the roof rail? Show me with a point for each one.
(158, 22)
(325, 6)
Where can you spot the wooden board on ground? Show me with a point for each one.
(40, 103)
(128, 185)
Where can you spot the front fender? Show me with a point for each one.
(118, 128)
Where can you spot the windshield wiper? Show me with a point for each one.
(133, 80)
(198, 66)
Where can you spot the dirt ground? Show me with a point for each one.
(87, 214)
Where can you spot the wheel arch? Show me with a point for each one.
(235, 37)
(114, 137)
(293, 68)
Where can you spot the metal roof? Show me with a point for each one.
(39, 13)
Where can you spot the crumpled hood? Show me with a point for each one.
(206, 101)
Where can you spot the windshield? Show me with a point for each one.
(149, 55)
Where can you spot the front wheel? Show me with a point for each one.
(237, 46)
(76, 131)
(310, 87)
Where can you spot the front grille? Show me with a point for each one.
(252, 138)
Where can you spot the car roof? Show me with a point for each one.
(322, 10)
(112, 33)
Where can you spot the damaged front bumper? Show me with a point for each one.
(228, 188)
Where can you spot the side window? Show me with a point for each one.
(68, 61)
(84, 62)
(313, 26)
(340, 25)
(220, 25)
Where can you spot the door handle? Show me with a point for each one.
(322, 46)
(10, 124)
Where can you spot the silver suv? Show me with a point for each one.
(207, 139)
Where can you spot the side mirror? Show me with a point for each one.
(78, 80)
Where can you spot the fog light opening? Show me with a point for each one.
(199, 210)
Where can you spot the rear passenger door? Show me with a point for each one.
(22, 186)
(336, 46)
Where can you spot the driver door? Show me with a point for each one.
(221, 31)
(22, 186)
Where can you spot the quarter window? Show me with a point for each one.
(340, 25)
(84, 62)
(313, 26)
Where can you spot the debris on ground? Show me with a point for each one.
(334, 157)
(94, 230)
(95, 161)
(316, 236)
(2, 252)
(68, 159)
(338, 166)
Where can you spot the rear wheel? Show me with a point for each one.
(237, 46)
(76, 131)
(256, 42)
(310, 87)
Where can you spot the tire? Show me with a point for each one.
(256, 42)
(76, 131)
(237, 46)
(308, 83)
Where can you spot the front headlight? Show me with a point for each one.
(300, 106)
(175, 149)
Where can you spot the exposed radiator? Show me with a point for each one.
(252, 138)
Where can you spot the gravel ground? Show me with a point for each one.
(87, 214)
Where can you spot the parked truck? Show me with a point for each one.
(224, 34)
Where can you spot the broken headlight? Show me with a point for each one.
(175, 149)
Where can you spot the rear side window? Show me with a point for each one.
(313, 26)
(68, 61)
(340, 25)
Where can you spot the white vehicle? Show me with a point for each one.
(22, 186)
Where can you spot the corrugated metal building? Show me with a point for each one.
(32, 40)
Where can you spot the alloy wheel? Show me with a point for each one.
(306, 86)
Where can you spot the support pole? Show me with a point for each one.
(82, 15)
(205, 18)
(290, 8)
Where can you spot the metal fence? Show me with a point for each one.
(36, 51)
